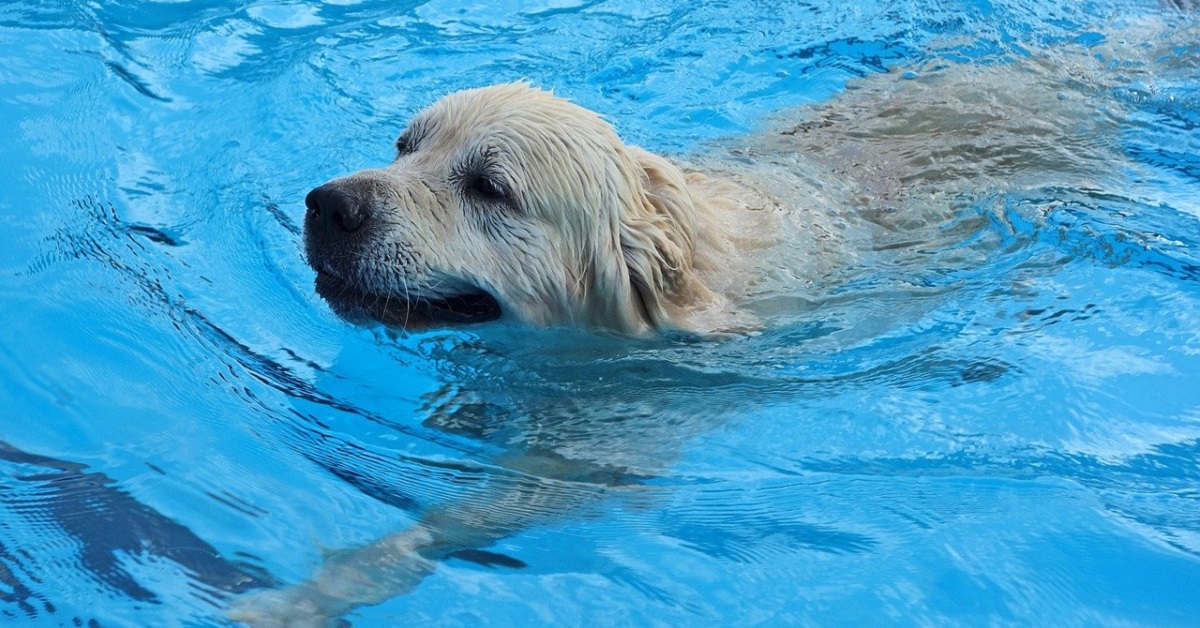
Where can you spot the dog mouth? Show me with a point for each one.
(467, 305)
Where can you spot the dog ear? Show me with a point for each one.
(658, 231)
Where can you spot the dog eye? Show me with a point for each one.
(405, 145)
(487, 188)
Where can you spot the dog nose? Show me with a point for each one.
(337, 207)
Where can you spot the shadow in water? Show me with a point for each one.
(107, 527)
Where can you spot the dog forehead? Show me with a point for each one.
(511, 112)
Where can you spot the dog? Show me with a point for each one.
(507, 202)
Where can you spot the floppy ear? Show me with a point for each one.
(658, 231)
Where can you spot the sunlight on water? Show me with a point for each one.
(978, 403)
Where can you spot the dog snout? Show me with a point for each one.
(335, 206)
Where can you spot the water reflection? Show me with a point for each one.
(110, 533)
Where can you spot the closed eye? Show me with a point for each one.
(487, 188)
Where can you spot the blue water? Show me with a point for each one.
(1001, 427)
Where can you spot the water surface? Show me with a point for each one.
(992, 417)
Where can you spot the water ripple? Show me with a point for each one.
(84, 513)
(984, 417)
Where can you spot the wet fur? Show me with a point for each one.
(623, 240)
(590, 233)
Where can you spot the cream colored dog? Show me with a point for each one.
(508, 202)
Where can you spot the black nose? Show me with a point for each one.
(335, 206)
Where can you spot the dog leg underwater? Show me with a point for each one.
(528, 489)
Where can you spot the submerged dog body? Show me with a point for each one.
(508, 202)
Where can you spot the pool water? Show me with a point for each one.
(993, 421)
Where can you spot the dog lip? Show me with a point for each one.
(468, 305)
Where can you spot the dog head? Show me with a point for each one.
(507, 202)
